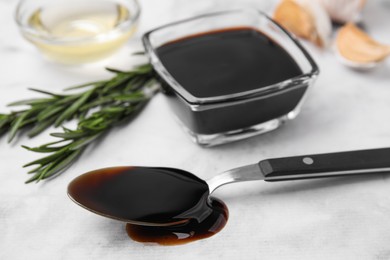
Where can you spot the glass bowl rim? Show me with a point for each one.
(25, 29)
(188, 97)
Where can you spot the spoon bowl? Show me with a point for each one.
(148, 196)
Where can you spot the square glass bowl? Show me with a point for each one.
(213, 120)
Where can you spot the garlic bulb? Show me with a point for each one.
(355, 45)
(343, 10)
(305, 18)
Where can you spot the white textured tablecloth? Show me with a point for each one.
(317, 219)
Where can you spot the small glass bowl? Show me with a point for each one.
(77, 31)
(221, 119)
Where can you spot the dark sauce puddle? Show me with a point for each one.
(185, 233)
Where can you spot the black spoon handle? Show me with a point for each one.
(326, 165)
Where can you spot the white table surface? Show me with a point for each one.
(316, 219)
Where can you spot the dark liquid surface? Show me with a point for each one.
(185, 233)
(146, 197)
(141, 194)
(227, 62)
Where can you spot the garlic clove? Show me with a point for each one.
(306, 19)
(343, 11)
(322, 21)
(295, 19)
(355, 45)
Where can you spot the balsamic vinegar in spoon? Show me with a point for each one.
(162, 205)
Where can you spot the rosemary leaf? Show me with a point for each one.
(95, 83)
(120, 79)
(4, 120)
(69, 135)
(96, 103)
(73, 108)
(83, 142)
(42, 149)
(35, 170)
(115, 70)
(33, 101)
(49, 158)
(49, 112)
(16, 125)
(42, 126)
(46, 92)
(138, 53)
(60, 165)
(33, 178)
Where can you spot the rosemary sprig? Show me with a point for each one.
(97, 109)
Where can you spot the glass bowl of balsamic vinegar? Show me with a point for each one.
(230, 75)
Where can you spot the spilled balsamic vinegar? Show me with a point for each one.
(162, 205)
(183, 233)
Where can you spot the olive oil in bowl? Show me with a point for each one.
(78, 32)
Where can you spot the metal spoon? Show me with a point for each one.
(140, 197)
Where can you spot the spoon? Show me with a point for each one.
(155, 196)
(357, 50)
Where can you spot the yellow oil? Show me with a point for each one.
(79, 34)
